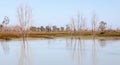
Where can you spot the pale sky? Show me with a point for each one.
(59, 12)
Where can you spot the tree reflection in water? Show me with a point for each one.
(102, 42)
(94, 54)
(25, 56)
(77, 47)
(5, 46)
(79, 53)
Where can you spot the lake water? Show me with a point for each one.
(60, 51)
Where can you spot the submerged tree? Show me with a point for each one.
(24, 14)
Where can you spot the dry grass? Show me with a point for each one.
(12, 35)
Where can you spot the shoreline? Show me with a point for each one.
(75, 37)
(52, 35)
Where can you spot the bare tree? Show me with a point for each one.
(24, 14)
(73, 25)
(94, 23)
(78, 24)
(81, 22)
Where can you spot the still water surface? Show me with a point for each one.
(60, 51)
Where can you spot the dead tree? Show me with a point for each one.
(24, 15)
(73, 25)
(94, 23)
(81, 22)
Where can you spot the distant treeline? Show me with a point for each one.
(49, 29)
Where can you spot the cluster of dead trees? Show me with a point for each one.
(77, 24)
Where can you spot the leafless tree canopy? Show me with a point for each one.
(24, 14)
(94, 21)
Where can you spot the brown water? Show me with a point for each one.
(60, 51)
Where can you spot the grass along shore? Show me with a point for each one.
(16, 35)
